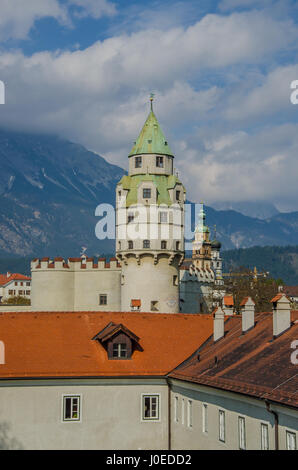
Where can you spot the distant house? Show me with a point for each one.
(291, 292)
(228, 305)
(14, 285)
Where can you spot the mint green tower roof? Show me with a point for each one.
(151, 138)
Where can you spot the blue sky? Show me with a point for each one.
(221, 72)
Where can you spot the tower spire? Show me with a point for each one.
(151, 100)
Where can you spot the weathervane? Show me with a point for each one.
(151, 100)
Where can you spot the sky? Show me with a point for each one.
(221, 72)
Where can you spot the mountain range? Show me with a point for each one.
(50, 188)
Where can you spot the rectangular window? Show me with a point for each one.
(71, 408)
(163, 217)
(146, 193)
(10, 292)
(163, 245)
(176, 409)
(177, 195)
(103, 299)
(138, 162)
(150, 407)
(130, 244)
(182, 410)
(146, 243)
(241, 433)
(130, 217)
(222, 426)
(175, 280)
(264, 437)
(189, 413)
(27, 292)
(15, 283)
(159, 162)
(291, 440)
(205, 418)
(119, 350)
(27, 283)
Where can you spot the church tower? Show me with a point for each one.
(201, 246)
(150, 224)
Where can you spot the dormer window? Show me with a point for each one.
(138, 162)
(118, 341)
(119, 350)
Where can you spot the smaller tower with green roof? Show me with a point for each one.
(150, 224)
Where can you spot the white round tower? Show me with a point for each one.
(150, 225)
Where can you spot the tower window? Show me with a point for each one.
(146, 193)
(138, 162)
(130, 244)
(130, 217)
(146, 243)
(175, 280)
(177, 195)
(154, 305)
(159, 162)
(163, 217)
(103, 299)
(163, 245)
(119, 350)
(177, 245)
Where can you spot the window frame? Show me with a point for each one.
(176, 405)
(163, 215)
(189, 413)
(150, 420)
(138, 161)
(163, 245)
(241, 419)
(264, 426)
(119, 350)
(159, 161)
(145, 242)
(291, 433)
(106, 297)
(150, 192)
(221, 430)
(205, 418)
(71, 420)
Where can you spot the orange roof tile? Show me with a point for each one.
(57, 344)
(228, 301)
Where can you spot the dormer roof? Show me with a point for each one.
(112, 329)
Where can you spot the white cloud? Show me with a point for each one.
(17, 17)
(99, 97)
(93, 8)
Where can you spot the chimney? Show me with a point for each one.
(248, 314)
(281, 314)
(218, 324)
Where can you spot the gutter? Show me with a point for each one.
(276, 422)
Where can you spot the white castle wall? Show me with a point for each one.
(74, 285)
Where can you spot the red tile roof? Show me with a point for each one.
(228, 301)
(291, 291)
(57, 344)
(252, 364)
(4, 278)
